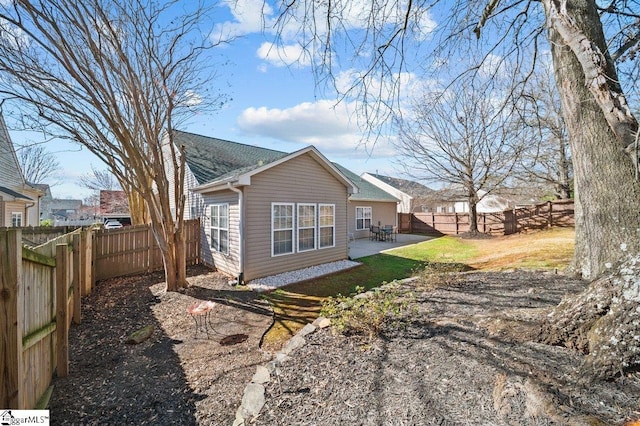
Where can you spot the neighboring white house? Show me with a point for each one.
(455, 201)
(412, 195)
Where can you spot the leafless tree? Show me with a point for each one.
(388, 40)
(38, 165)
(463, 137)
(116, 76)
(547, 159)
(98, 179)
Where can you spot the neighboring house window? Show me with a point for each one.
(306, 227)
(16, 219)
(327, 224)
(220, 228)
(363, 218)
(281, 228)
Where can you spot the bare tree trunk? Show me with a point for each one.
(473, 212)
(606, 190)
(601, 320)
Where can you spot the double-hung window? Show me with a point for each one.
(363, 218)
(16, 219)
(282, 228)
(306, 227)
(327, 225)
(220, 228)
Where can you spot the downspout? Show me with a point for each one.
(27, 206)
(240, 231)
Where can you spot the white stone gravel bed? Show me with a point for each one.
(280, 280)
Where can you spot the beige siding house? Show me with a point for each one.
(18, 200)
(264, 212)
(371, 206)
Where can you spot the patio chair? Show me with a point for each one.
(374, 233)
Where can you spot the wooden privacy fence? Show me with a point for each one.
(40, 295)
(549, 214)
(39, 300)
(133, 250)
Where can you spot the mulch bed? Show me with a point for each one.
(466, 355)
(175, 377)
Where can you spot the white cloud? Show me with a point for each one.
(249, 16)
(281, 56)
(491, 65)
(192, 98)
(324, 124)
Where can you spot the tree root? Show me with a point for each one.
(602, 322)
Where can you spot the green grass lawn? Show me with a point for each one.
(299, 304)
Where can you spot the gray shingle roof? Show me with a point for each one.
(367, 191)
(409, 187)
(211, 159)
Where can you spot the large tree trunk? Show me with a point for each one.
(473, 212)
(604, 320)
(607, 220)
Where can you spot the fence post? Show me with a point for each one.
(456, 219)
(77, 267)
(550, 217)
(62, 306)
(11, 319)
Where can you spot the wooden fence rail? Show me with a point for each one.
(40, 297)
(549, 214)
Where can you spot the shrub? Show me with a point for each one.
(366, 313)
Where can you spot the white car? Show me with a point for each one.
(112, 224)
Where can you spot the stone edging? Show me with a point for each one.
(253, 397)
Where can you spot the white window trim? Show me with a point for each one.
(333, 226)
(14, 216)
(363, 208)
(218, 228)
(292, 229)
(314, 227)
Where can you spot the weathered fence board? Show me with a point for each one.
(11, 322)
(556, 213)
(133, 250)
(41, 289)
(41, 310)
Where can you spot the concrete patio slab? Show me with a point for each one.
(365, 247)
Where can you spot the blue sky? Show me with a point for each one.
(273, 105)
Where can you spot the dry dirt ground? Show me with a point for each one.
(465, 355)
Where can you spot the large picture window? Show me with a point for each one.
(363, 218)
(220, 228)
(327, 225)
(282, 228)
(306, 227)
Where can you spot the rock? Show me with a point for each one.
(307, 329)
(271, 366)
(322, 322)
(281, 357)
(294, 343)
(365, 295)
(262, 375)
(252, 400)
(140, 336)
(239, 420)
